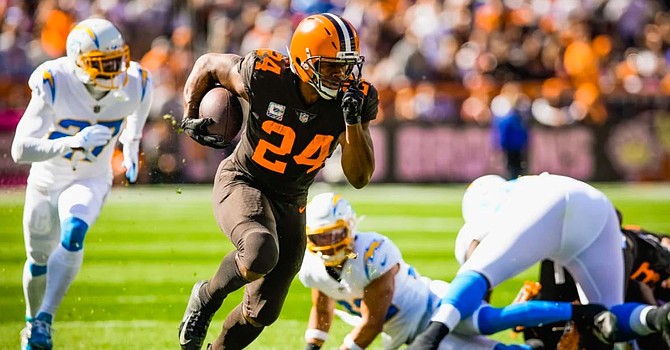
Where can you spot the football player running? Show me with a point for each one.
(512, 225)
(365, 274)
(79, 105)
(301, 108)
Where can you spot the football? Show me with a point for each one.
(225, 109)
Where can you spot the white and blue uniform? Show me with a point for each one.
(548, 217)
(66, 189)
(414, 300)
(523, 221)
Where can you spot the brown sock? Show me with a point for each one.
(227, 279)
(236, 332)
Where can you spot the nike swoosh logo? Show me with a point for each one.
(301, 210)
(182, 333)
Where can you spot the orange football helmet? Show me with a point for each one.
(324, 51)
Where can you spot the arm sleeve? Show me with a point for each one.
(135, 122)
(30, 144)
(246, 69)
(532, 313)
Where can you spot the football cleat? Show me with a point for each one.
(39, 333)
(25, 334)
(194, 325)
(664, 318)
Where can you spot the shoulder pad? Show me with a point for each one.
(43, 81)
(379, 254)
(142, 75)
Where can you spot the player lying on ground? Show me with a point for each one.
(516, 224)
(365, 274)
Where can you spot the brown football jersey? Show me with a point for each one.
(287, 141)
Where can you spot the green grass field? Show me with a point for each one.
(151, 243)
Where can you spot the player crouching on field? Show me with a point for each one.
(365, 274)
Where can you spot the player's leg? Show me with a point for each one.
(557, 285)
(595, 268)
(521, 238)
(522, 234)
(598, 264)
(41, 231)
(264, 298)
(245, 216)
(78, 206)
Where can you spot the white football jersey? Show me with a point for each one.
(66, 107)
(549, 217)
(412, 303)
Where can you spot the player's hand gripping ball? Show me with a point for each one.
(220, 119)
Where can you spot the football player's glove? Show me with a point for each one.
(196, 128)
(131, 151)
(352, 105)
(91, 137)
(596, 326)
(430, 338)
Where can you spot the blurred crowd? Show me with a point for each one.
(456, 61)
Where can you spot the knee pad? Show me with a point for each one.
(258, 256)
(37, 270)
(73, 231)
(258, 321)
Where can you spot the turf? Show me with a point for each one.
(151, 244)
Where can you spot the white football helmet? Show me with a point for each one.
(481, 199)
(331, 222)
(482, 195)
(100, 54)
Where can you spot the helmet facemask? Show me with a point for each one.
(105, 68)
(330, 227)
(326, 74)
(331, 243)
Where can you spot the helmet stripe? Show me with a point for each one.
(90, 32)
(346, 40)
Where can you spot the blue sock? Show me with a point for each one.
(466, 292)
(628, 317)
(528, 314)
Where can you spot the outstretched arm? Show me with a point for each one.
(320, 319)
(377, 299)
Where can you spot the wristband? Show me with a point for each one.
(313, 333)
(350, 344)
